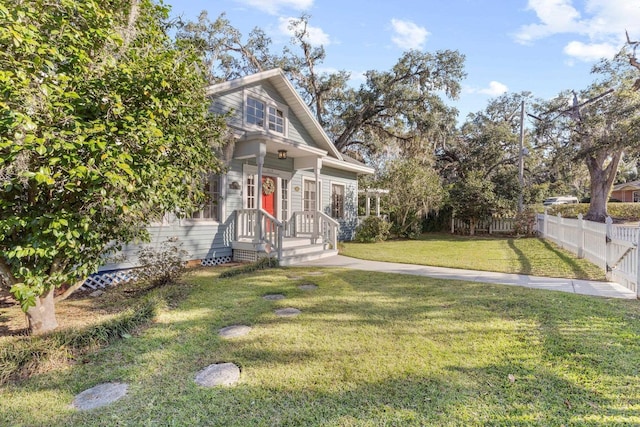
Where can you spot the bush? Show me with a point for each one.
(619, 211)
(525, 223)
(372, 229)
(162, 265)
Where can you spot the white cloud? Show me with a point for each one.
(590, 52)
(315, 35)
(408, 35)
(272, 7)
(494, 89)
(598, 28)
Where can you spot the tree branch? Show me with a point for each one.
(69, 291)
(5, 273)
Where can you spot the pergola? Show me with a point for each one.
(373, 192)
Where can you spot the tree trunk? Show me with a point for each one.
(601, 182)
(42, 317)
(472, 227)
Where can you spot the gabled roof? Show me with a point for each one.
(294, 101)
(632, 185)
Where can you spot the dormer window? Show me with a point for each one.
(255, 112)
(268, 115)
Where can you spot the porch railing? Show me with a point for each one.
(262, 228)
(315, 225)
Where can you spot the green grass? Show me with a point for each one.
(369, 349)
(532, 256)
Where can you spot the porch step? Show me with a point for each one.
(310, 252)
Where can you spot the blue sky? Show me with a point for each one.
(542, 46)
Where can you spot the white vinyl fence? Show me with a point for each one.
(614, 248)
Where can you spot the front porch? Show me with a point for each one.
(304, 236)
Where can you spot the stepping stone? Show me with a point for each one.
(315, 273)
(308, 287)
(294, 277)
(100, 395)
(218, 374)
(288, 312)
(273, 297)
(234, 331)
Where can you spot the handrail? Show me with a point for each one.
(260, 226)
(330, 233)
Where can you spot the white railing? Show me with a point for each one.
(261, 227)
(328, 230)
(614, 248)
(302, 223)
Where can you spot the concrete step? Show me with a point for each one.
(307, 256)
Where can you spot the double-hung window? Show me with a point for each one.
(337, 201)
(210, 209)
(266, 115)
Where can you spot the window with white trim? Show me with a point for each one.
(255, 112)
(337, 200)
(309, 195)
(251, 191)
(266, 114)
(210, 209)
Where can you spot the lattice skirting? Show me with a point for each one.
(210, 262)
(110, 278)
(243, 255)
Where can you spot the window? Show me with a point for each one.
(255, 112)
(636, 197)
(337, 200)
(276, 120)
(309, 195)
(251, 191)
(266, 115)
(284, 200)
(210, 210)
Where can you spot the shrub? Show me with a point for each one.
(372, 229)
(525, 223)
(162, 265)
(619, 211)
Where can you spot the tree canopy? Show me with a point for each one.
(104, 126)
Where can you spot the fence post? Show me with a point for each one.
(638, 262)
(453, 226)
(607, 254)
(580, 236)
(560, 231)
(545, 223)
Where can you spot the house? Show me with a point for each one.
(626, 192)
(288, 192)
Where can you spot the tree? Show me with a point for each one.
(599, 125)
(473, 198)
(416, 189)
(103, 128)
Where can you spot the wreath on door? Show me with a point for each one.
(268, 186)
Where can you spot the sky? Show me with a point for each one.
(541, 46)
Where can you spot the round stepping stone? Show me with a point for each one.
(273, 297)
(218, 374)
(315, 273)
(100, 395)
(234, 331)
(288, 312)
(308, 287)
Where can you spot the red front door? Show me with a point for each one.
(269, 194)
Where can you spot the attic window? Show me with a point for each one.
(255, 112)
(266, 114)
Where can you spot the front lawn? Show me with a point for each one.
(532, 256)
(368, 349)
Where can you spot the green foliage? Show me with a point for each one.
(162, 265)
(104, 126)
(372, 229)
(525, 223)
(26, 355)
(415, 190)
(618, 211)
(473, 198)
(261, 264)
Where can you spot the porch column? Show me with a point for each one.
(367, 205)
(258, 225)
(377, 205)
(316, 225)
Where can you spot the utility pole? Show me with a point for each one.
(521, 160)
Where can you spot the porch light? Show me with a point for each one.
(282, 154)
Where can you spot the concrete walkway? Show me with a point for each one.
(584, 287)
